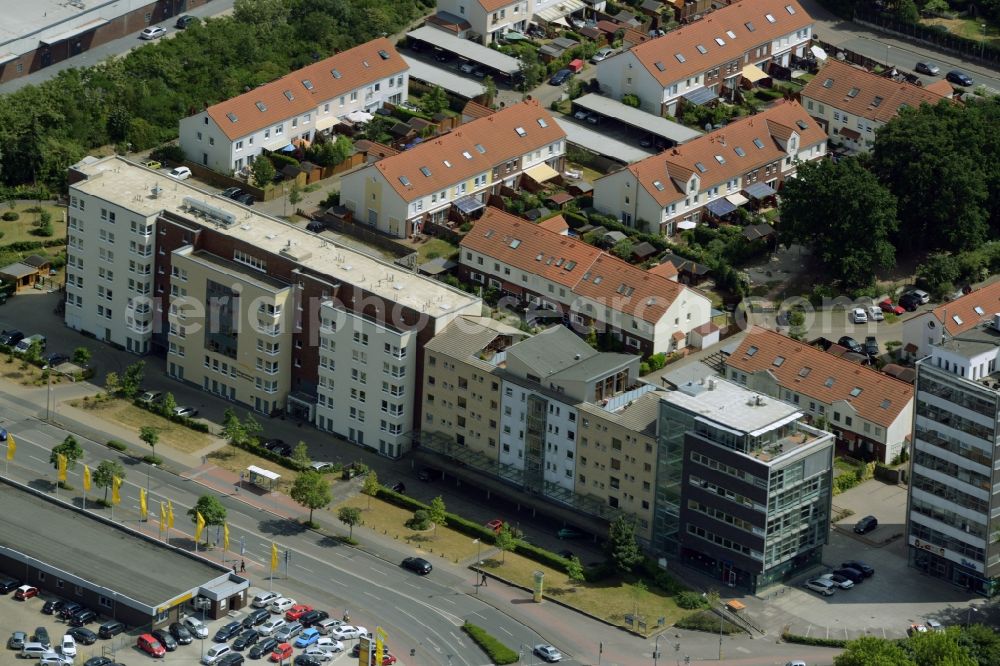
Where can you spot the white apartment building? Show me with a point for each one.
(227, 136)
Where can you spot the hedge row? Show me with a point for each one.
(28, 246)
(494, 649)
(814, 641)
(708, 621)
(257, 449)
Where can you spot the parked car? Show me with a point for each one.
(346, 632)
(305, 660)
(842, 582)
(288, 632)
(110, 629)
(69, 609)
(602, 54)
(265, 645)
(152, 164)
(98, 661)
(83, 636)
(231, 659)
(151, 397)
(866, 525)
(215, 653)
(54, 659)
(82, 617)
(185, 20)
(327, 625)
(496, 525)
(888, 306)
(187, 412)
(871, 346)
(427, 474)
(922, 295)
(547, 653)
(41, 635)
(281, 652)
(854, 575)
(152, 32)
(560, 77)
(313, 617)
(26, 592)
(399, 487)
(272, 626)
(54, 359)
(927, 68)
(264, 599)
(227, 631)
(958, 78)
(417, 565)
(196, 626)
(256, 618)
(168, 642)
(17, 640)
(231, 192)
(909, 301)
(307, 638)
(916, 628)
(316, 653)
(148, 644)
(858, 316)
(280, 605)
(246, 199)
(280, 447)
(329, 645)
(246, 639)
(875, 313)
(934, 625)
(180, 173)
(824, 587)
(858, 565)
(851, 344)
(569, 533)
(10, 338)
(180, 633)
(321, 466)
(297, 611)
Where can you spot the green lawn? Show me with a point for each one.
(20, 229)
(968, 28)
(434, 248)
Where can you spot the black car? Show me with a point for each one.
(231, 192)
(909, 301)
(231, 659)
(246, 199)
(443, 56)
(82, 617)
(110, 629)
(256, 618)
(566, 554)
(399, 487)
(11, 338)
(168, 642)
(278, 446)
(185, 20)
(83, 636)
(246, 639)
(316, 226)
(560, 77)
(180, 633)
(928, 68)
(41, 635)
(263, 648)
(69, 609)
(858, 565)
(958, 78)
(426, 474)
(417, 565)
(226, 632)
(306, 660)
(312, 617)
(851, 344)
(8, 585)
(853, 575)
(98, 661)
(53, 606)
(54, 359)
(871, 345)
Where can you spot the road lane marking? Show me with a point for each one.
(378, 571)
(305, 568)
(504, 630)
(369, 594)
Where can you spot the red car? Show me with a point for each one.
(297, 611)
(282, 652)
(496, 525)
(148, 644)
(888, 306)
(25, 592)
(388, 660)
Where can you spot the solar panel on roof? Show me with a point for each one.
(542, 123)
(769, 17)
(732, 35)
(749, 25)
(520, 131)
(828, 83)
(658, 185)
(480, 149)
(719, 41)
(758, 143)
(739, 151)
(853, 92)
(424, 170)
(790, 9)
(877, 101)
(720, 159)
(802, 124)
(405, 181)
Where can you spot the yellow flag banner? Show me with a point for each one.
(274, 557)
(116, 490)
(143, 511)
(163, 516)
(61, 463)
(199, 525)
(86, 479)
(11, 447)
(380, 637)
(225, 536)
(170, 514)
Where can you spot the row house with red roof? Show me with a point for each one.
(747, 159)
(950, 320)
(708, 58)
(460, 169)
(226, 137)
(588, 288)
(486, 21)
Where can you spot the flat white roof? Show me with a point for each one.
(732, 406)
(130, 186)
(266, 473)
(601, 143)
(643, 120)
(467, 49)
(24, 24)
(446, 79)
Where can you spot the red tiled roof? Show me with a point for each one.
(824, 377)
(962, 314)
(306, 88)
(717, 26)
(476, 110)
(706, 328)
(587, 271)
(941, 87)
(556, 224)
(471, 149)
(860, 93)
(673, 167)
(666, 269)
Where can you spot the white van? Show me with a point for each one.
(271, 626)
(264, 599)
(215, 653)
(54, 659)
(34, 650)
(23, 346)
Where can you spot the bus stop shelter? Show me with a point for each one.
(262, 478)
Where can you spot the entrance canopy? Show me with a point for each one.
(541, 173)
(753, 73)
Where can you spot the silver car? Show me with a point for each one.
(547, 653)
(820, 585)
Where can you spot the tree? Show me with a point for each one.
(906, 11)
(168, 405)
(211, 509)
(34, 352)
(489, 91)
(330, 153)
(295, 194)
(574, 569)
(437, 513)
(982, 643)
(871, 651)
(311, 490)
(300, 454)
(69, 448)
(105, 474)
(371, 486)
(532, 70)
(504, 541)
(112, 384)
(631, 99)
(938, 648)
(939, 273)
(350, 516)
(81, 356)
(849, 235)
(232, 427)
(150, 435)
(434, 101)
(263, 171)
(131, 381)
(622, 546)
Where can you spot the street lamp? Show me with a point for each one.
(887, 47)
(656, 649)
(151, 465)
(479, 562)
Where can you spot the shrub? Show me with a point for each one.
(812, 640)
(152, 459)
(707, 621)
(116, 445)
(11, 216)
(419, 521)
(495, 650)
(691, 600)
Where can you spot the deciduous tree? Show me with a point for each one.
(370, 486)
(69, 448)
(622, 546)
(350, 516)
(105, 474)
(312, 490)
(437, 513)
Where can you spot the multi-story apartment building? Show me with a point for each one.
(743, 485)
(707, 59)
(250, 308)
(398, 194)
(752, 156)
(869, 412)
(952, 318)
(591, 289)
(546, 415)
(227, 136)
(852, 103)
(486, 21)
(953, 495)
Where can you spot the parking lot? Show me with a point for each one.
(26, 616)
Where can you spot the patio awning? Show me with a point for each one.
(853, 135)
(469, 204)
(720, 207)
(541, 173)
(687, 224)
(736, 199)
(818, 52)
(290, 148)
(514, 36)
(701, 96)
(753, 73)
(557, 11)
(759, 191)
